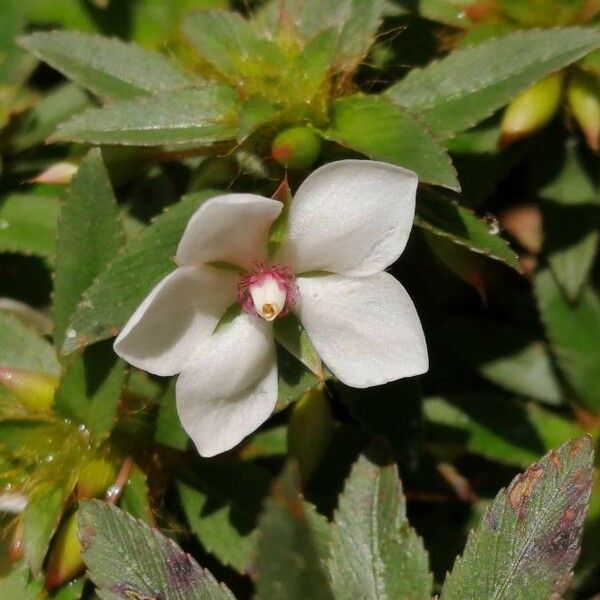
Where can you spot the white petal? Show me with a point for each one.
(232, 228)
(232, 387)
(175, 318)
(365, 329)
(351, 217)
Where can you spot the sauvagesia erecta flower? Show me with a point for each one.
(348, 221)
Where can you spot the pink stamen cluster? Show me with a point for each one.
(260, 271)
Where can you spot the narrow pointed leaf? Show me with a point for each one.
(128, 559)
(289, 555)
(528, 542)
(374, 551)
(106, 66)
(384, 131)
(469, 85)
(197, 116)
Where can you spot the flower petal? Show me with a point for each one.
(351, 217)
(232, 228)
(232, 388)
(175, 318)
(366, 329)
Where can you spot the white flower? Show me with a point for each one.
(350, 219)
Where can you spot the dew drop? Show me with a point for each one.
(4, 224)
(71, 333)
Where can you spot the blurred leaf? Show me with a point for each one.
(23, 348)
(90, 390)
(15, 65)
(90, 233)
(450, 12)
(169, 431)
(496, 426)
(128, 559)
(59, 104)
(444, 217)
(294, 377)
(515, 361)
(384, 131)
(222, 500)
(41, 519)
(199, 115)
(574, 334)
(19, 584)
(470, 84)
(293, 337)
(233, 45)
(571, 210)
(73, 590)
(107, 67)
(126, 281)
(529, 539)
(374, 551)
(28, 224)
(289, 563)
(135, 498)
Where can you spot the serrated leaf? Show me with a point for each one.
(23, 348)
(233, 45)
(528, 541)
(135, 498)
(169, 431)
(126, 558)
(515, 361)
(444, 217)
(574, 334)
(89, 234)
(571, 211)
(374, 552)
(221, 501)
(199, 116)
(125, 282)
(28, 224)
(384, 131)
(496, 426)
(470, 84)
(289, 560)
(106, 66)
(90, 390)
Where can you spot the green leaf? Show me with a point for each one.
(515, 361)
(444, 217)
(289, 563)
(293, 337)
(28, 224)
(221, 501)
(169, 431)
(450, 12)
(571, 210)
(61, 103)
(40, 521)
(135, 498)
(107, 67)
(574, 334)
(470, 84)
(384, 131)
(199, 116)
(374, 551)
(90, 390)
(23, 348)
(19, 584)
(528, 541)
(496, 426)
(233, 45)
(127, 280)
(127, 559)
(294, 378)
(89, 234)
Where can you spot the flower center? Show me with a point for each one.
(267, 291)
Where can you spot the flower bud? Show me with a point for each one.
(60, 173)
(34, 390)
(310, 430)
(65, 560)
(583, 97)
(531, 110)
(296, 147)
(95, 478)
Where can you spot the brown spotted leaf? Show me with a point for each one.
(529, 540)
(128, 559)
